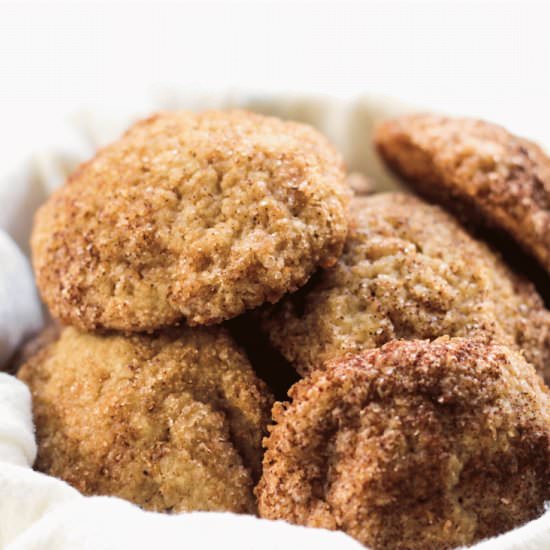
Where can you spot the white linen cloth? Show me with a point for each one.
(20, 310)
(40, 512)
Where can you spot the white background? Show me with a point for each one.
(489, 59)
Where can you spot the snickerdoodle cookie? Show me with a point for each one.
(193, 217)
(409, 270)
(413, 445)
(171, 421)
(477, 169)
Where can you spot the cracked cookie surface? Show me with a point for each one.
(193, 217)
(408, 270)
(171, 421)
(477, 169)
(411, 446)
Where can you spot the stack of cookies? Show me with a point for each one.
(193, 262)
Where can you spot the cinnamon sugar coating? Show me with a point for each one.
(477, 169)
(408, 271)
(171, 421)
(411, 446)
(193, 217)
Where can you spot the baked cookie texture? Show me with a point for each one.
(411, 446)
(408, 271)
(170, 421)
(479, 170)
(193, 217)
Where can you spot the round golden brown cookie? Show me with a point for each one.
(413, 445)
(477, 169)
(408, 271)
(190, 216)
(171, 421)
